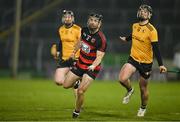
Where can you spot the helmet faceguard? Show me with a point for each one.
(145, 7)
(67, 13)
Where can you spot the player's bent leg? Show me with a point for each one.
(143, 83)
(124, 75)
(60, 74)
(86, 81)
(70, 79)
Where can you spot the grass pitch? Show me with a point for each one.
(39, 99)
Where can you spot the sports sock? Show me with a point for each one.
(77, 111)
(143, 106)
(128, 89)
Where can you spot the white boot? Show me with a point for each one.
(141, 112)
(127, 97)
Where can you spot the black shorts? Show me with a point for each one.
(80, 72)
(66, 63)
(143, 68)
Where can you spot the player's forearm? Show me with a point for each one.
(156, 51)
(98, 59)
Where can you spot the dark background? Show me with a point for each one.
(38, 34)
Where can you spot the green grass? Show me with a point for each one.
(42, 100)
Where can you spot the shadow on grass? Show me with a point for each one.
(101, 115)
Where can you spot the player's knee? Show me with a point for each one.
(66, 86)
(59, 83)
(80, 92)
(122, 79)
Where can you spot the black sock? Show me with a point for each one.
(77, 111)
(143, 106)
(128, 89)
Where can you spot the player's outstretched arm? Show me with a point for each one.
(125, 39)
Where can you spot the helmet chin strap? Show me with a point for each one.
(142, 19)
(68, 25)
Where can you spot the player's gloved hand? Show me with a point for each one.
(123, 38)
(91, 67)
(54, 51)
(57, 56)
(162, 69)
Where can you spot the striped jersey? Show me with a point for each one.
(91, 43)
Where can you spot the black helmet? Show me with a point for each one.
(67, 12)
(144, 6)
(147, 7)
(99, 16)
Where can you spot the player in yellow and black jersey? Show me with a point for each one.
(69, 35)
(144, 43)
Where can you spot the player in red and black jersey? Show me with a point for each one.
(92, 49)
(90, 44)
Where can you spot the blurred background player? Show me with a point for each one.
(92, 50)
(69, 35)
(144, 43)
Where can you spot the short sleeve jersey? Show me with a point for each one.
(142, 37)
(69, 38)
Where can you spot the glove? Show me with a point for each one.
(162, 69)
(91, 67)
(54, 51)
